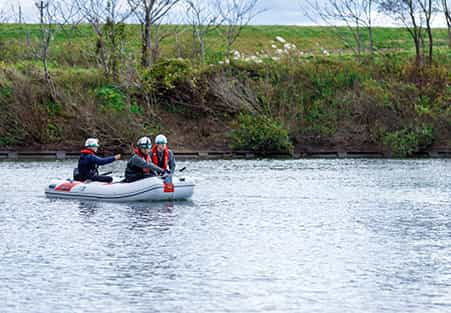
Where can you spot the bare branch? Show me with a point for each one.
(235, 15)
(203, 17)
(150, 14)
(408, 12)
(107, 19)
(356, 15)
(446, 8)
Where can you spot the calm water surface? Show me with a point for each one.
(258, 236)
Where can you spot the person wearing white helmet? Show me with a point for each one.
(89, 162)
(140, 165)
(161, 155)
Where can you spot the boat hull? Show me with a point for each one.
(148, 189)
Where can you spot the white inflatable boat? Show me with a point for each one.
(147, 189)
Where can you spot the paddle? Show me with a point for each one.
(107, 173)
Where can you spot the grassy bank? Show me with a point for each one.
(75, 47)
(260, 99)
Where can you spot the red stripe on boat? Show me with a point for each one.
(66, 186)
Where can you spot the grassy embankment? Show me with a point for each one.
(315, 96)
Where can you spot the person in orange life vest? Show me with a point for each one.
(140, 165)
(88, 164)
(161, 155)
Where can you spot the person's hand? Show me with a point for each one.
(167, 172)
(117, 157)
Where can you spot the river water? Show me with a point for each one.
(258, 236)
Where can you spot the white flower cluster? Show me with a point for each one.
(280, 39)
(281, 49)
(236, 55)
(286, 48)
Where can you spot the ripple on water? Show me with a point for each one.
(258, 236)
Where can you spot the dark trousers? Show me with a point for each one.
(102, 178)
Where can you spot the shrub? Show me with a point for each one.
(260, 134)
(136, 109)
(54, 109)
(111, 98)
(406, 142)
(165, 75)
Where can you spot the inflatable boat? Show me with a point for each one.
(147, 189)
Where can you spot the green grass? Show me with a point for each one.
(73, 45)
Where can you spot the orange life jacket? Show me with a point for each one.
(165, 157)
(145, 158)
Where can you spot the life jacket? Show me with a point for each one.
(161, 163)
(87, 151)
(145, 158)
(86, 169)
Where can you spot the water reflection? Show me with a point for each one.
(159, 214)
(88, 208)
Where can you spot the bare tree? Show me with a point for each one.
(150, 13)
(412, 14)
(162, 33)
(47, 16)
(15, 12)
(107, 19)
(428, 8)
(19, 13)
(446, 7)
(4, 16)
(235, 15)
(51, 15)
(357, 15)
(203, 17)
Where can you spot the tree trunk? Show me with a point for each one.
(416, 34)
(102, 54)
(156, 45)
(449, 36)
(370, 28)
(143, 46)
(429, 30)
(114, 55)
(100, 48)
(45, 63)
(428, 15)
(417, 51)
(147, 41)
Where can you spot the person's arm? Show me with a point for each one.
(102, 161)
(171, 161)
(138, 162)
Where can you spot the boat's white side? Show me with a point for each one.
(148, 189)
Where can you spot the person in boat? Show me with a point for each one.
(161, 155)
(88, 164)
(140, 165)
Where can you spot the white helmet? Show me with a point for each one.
(92, 143)
(161, 140)
(144, 143)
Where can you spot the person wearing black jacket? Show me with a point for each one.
(140, 164)
(89, 162)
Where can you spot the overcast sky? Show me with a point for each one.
(277, 12)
